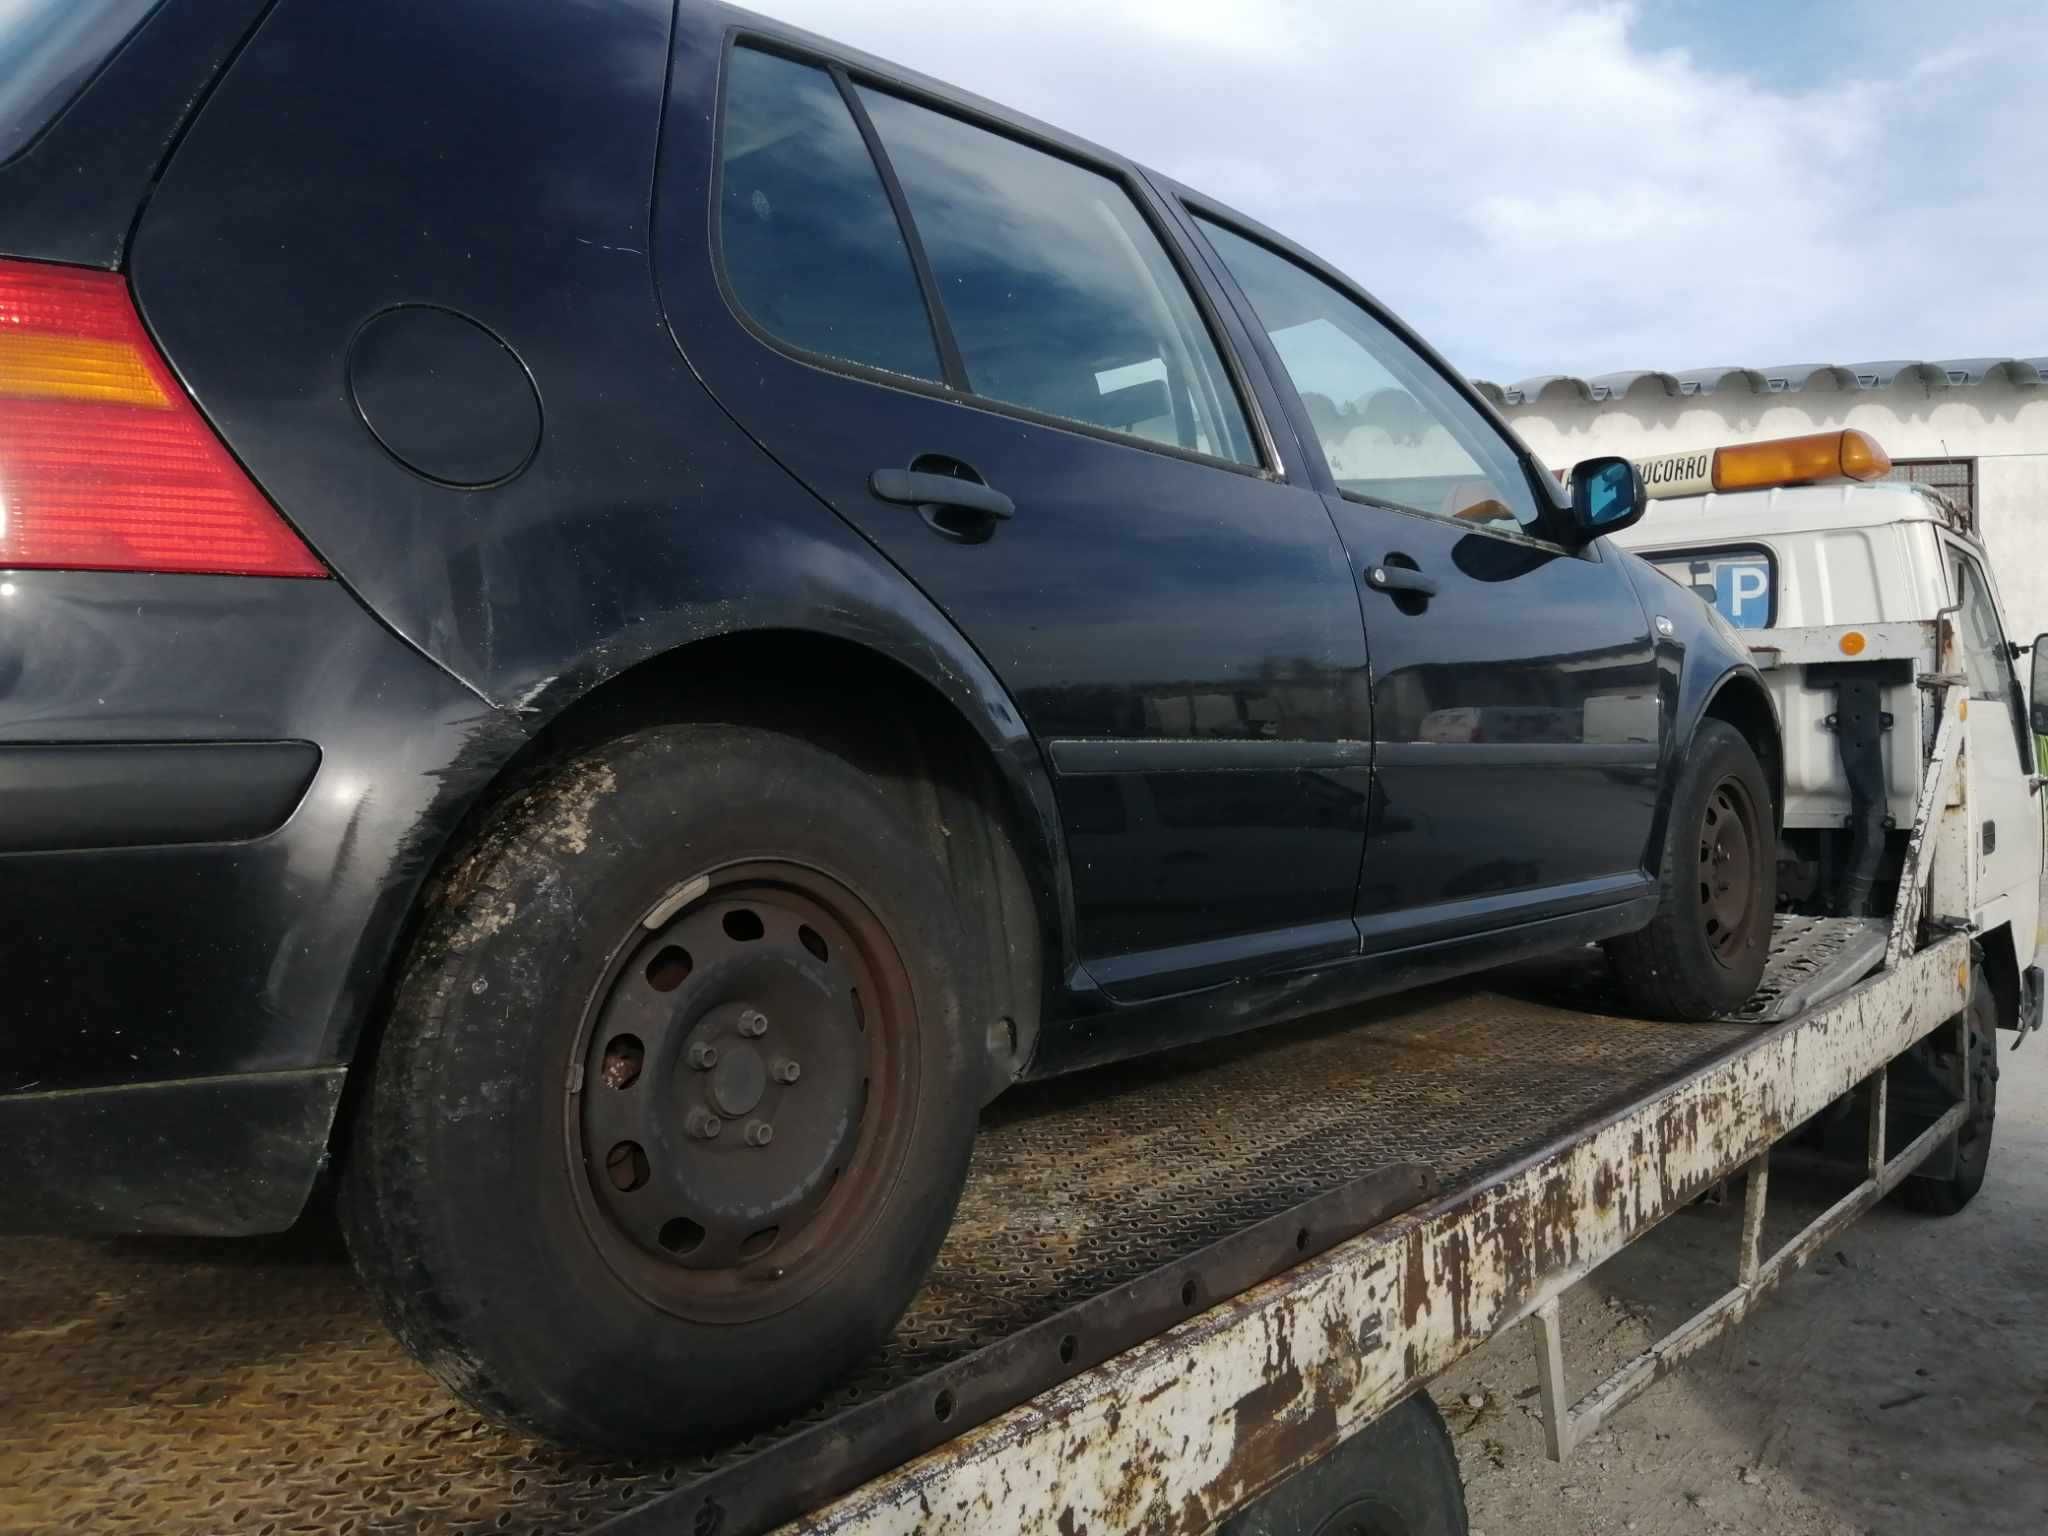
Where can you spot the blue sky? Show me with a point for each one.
(1574, 185)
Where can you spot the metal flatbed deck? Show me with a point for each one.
(170, 1386)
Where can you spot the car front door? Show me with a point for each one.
(1516, 720)
(979, 351)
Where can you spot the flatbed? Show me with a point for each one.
(1171, 1284)
(187, 1385)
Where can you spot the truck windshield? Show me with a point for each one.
(48, 50)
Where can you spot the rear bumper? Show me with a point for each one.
(218, 799)
(213, 1157)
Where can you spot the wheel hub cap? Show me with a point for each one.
(1728, 860)
(736, 1070)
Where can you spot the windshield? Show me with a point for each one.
(48, 50)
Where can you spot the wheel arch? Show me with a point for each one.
(1739, 699)
(2001, 967)
(854, 696)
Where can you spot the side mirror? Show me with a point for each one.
(2037, 688)
(1607, 495)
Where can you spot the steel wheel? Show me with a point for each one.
(1730, 852)
(744, 1099)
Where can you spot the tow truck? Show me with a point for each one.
(1205, 1291)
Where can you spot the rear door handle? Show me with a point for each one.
(1398, 578)
(920, 488)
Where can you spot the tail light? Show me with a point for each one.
(105, 462)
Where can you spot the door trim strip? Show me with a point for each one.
(1073, 755)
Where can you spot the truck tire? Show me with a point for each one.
(1970, 1147)
(1396, 1477)
(675, 1101)
(1703, 953)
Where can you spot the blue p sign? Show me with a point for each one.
(1742, 590)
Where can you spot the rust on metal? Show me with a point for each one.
(1565, 1427)
(1167, 1428)
(180, 1387)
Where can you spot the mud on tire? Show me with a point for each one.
(675, 1102)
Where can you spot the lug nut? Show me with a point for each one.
(759, 1133)
(753, 1023)
(703, 1124)
(703, 1057)
(787, 1071)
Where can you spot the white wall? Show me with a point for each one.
(2002, 426)
(2012, 498)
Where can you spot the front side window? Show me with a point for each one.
(1983, 643)
(812, 249)
(1392, 428)
(1985, 659)
(1059, 294)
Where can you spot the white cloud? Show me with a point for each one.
(1529, 187)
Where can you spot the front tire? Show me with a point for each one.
(1703, 954)
(675, 1103)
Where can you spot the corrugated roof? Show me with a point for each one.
(1786, 378)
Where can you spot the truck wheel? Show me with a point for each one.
(1704, 952)
(1396, 1477)
(1970, 1148)
(674, 1104)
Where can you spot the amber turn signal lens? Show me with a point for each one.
(1852, 643)
(105, 462)
(1845, 455)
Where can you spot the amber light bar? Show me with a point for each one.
(1816, 457)
(1844, 455)
(105, 462)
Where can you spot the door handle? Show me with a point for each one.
(1398, 578)
(921, 488)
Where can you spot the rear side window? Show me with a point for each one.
(812, 248)
(1059, 294)
(48, 50)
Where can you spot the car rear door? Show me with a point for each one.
(1517, 726)
(978, 350)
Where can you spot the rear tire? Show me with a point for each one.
(675, 1102)
(1703, 953)
(1396, 1477)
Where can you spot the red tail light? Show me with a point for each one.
(105, 462)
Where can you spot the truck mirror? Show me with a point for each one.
(1607, 495)
(2037, 689)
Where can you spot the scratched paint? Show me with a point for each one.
(1173, 1436)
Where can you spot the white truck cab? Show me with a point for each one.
(1858, 596)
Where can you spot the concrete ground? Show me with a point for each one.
(1898, 1386)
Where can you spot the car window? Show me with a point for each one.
(1059, 294)
(1392, 428)
(1985, 660)
(1740, 583)
(48, 50)
(1983, 644)
(812, 250)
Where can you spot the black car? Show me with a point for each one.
(615, 617)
